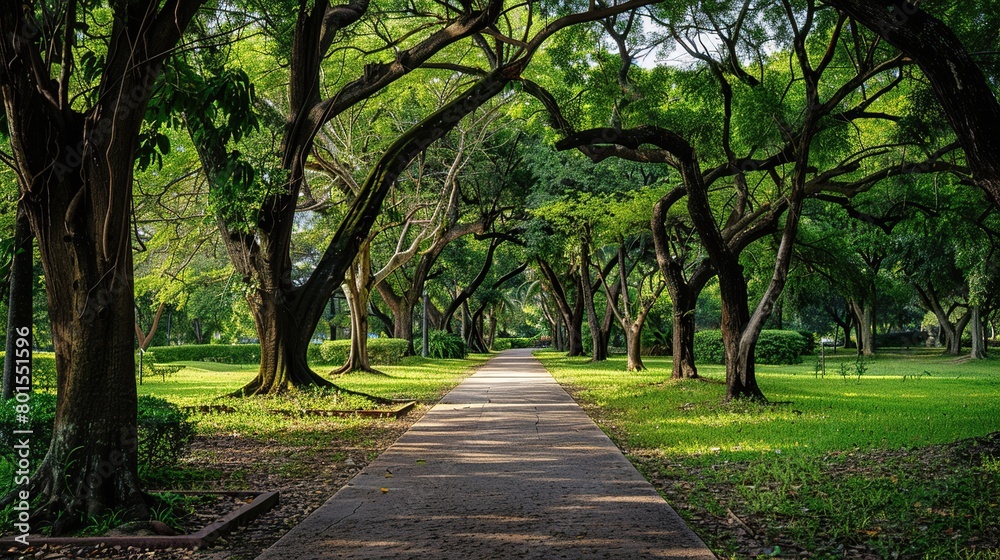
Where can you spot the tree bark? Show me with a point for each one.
(572, 316)
(952, 332)
(958, 81)
(684, 300)
(597, 353)
(682, 292)
(20, 312)
(358, 295)
(75, 172)
(633, 341)
(864, 319)
(978, 350)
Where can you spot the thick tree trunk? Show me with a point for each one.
(864, 318)
(683, 293)
(91, 462)
(683, 336)
(19, 304)
(741, 379)
(572, 316)
(633, 343)
(283, 349)
(75, 170)
(951, 333)
(978, 350)
(402, 320)
(608, 322)
(357, 301)
(955, 342)
(475, 339)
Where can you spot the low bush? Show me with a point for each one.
(904, 339)
(164, 430)
(442, 344)
(314, 354)
(780, 347)
(334, 352)
(773, 347)
(810, 342)
(708, 347)
(381, 351)
(43, 370)
(500, 344)
(225, 353)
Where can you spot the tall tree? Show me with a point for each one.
(791, 169)
(74, 150)
(286, 314)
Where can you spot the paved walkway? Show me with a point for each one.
(507, 465)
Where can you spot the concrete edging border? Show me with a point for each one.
(263, 502)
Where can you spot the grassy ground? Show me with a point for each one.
(206, 383)
(306, 458)
(853, 464)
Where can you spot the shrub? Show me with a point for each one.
(810, 341)
(334, 351)
(387, 351)
(227, 353)
(708, 347)
(381, 351)
(442, 344)
(780, 347)
(43, 370)
(906, 339)
(500, 344)
(164, 430)
(773, 347)
(314, 355)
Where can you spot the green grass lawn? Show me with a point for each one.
(835, 460)
(207, 383)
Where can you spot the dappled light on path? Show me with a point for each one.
(506, 466)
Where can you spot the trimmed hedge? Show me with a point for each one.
(381, 351)
(226, 353)
(500, 344)
(773, 347)
(810, 342)
(43, 370)
(708, 347)
(906, 339)
(442, 344)
(164, 430)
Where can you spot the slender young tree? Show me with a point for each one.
(19, 302)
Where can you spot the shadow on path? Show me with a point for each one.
(507, 465)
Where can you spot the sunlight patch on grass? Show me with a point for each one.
(833, 461)
(207, 383)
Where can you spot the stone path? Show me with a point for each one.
(507, 465)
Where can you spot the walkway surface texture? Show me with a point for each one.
(507, 465)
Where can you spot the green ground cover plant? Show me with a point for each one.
(900, 462)
(200, 384)
(254, 448)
